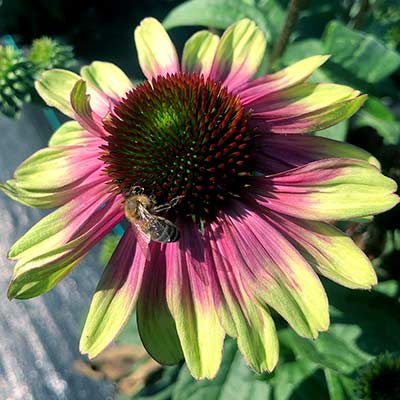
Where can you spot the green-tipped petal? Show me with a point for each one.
(329, 251)
(191, 303)
(239, 54)
(69, 134)
(155, 323)
(305, 108)
(55, 87)
(115, 296)
(108, 78)
(241, 316)
(331, 189)
(55, 175)
(56, 244)
(198, 53)
(283, 79)
(156, 52)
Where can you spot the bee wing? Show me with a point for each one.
(143, 241)
(142, 238)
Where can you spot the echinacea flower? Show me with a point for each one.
(255, 196)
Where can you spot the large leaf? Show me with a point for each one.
(360, 53)
(339, 386)
(214, 13)
(233, 381)
(298, 380)
(378, 116)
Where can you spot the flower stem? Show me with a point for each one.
(291, 19)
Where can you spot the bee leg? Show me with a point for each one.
(167, 206)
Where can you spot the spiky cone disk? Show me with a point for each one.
(47, 53)
(16, 81)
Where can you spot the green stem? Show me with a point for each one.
(292, 16)
(358, 20)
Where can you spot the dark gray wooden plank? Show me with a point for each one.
(39, 338)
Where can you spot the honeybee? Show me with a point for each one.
(141, 211)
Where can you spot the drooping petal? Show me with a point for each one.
(156, 52)
(198, 53)
(115, 296)
(305, 108)
(108, 78)
(273, 269)
(54, 87)
(89, 117)
(71, 133)
(155, 323)
(190, 300)
(252, 323)
(277, 153)
(239, 54)
(332, 189)
(57, 243)
(297, 73)
(328, 250)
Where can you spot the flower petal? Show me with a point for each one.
(332, 189)
(305, 108)
(273, 270)
(156, 52)
(328, 250)
(57, 243)
(115, 296)
(108, 78)
(190, 301)
(155, 323)
(70, 133)
(297, 73)
(277, 153)
(239, 54)
(84, 113)
(198, 53)
(253, 324)
(55, 175)
(54, 87)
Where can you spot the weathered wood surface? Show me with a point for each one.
(39, 338)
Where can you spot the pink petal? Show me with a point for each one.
(297, 73)
(277, 153)
(190, 300)
(115, 296)
(52, 248)
(273, 270)
(90, 109)
(330, 189)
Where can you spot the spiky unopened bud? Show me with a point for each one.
(47, 53)
(16, 81)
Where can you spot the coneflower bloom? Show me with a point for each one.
(252, 196)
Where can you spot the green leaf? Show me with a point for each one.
(330, 350)
(298, 380)
(339, 387)
(233, 381)
(214, 13)
(379, 117)
(360, 53)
